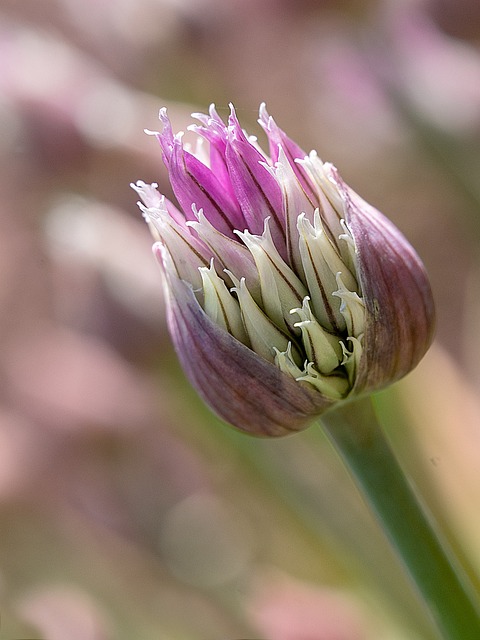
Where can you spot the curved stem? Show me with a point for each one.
(354, 431)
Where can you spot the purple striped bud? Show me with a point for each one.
(286, 292)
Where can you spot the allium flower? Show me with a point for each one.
(286, 292)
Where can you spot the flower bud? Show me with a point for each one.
(286, 292)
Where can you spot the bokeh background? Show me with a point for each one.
(126, 509)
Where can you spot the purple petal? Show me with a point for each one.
(240, 386)
(213, 129)
(194, 183)
(278, 138)
(166, 137)
(257, 190)
(400, 310)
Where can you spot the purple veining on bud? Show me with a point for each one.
(286, 292)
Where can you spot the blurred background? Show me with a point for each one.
(126, 509)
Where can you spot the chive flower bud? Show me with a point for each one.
(286, 292)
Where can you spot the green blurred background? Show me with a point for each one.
(127, 511)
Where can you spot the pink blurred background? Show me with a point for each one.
(126, 509)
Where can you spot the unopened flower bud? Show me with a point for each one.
(286, 292)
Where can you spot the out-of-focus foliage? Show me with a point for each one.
(126, 509)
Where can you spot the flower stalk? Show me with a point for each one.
(437, 576)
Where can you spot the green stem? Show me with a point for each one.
(354, 430)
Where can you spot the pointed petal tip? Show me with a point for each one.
(264, 117)
(165, 120)
(234, 128)
(163, 256)
(148, 193)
